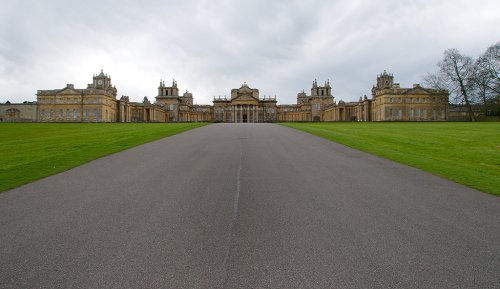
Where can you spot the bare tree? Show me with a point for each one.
(487, 79)
(456, 73)
(435, 80)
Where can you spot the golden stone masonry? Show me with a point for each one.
(98, 103)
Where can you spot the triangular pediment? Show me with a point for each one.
(68, 91)
(245, 97)
(417, 90)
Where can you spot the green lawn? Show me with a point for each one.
(467, 153)
(30, 151)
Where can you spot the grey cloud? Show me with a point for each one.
(213, 46)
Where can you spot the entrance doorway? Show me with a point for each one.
(245, 118)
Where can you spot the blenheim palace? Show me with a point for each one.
(99, 103)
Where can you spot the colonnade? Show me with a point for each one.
(245, 113)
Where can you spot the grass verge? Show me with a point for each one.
(30, 151)
(467, 153)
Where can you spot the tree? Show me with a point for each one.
(458, 71)
(470, 81)
(487, 79)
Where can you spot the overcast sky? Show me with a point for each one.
(212, 46)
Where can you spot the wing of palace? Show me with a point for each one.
(99, 103)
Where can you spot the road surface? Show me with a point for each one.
(247, 206)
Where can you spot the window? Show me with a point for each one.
(418, 112)
(95, 113)
(67, 114)
(61, 113)
(95, 100)
(172, 107)
(75, 114)
(400, 114)
(75, 100)
(390, 99)
(87, 113)
(411, 113)
(417, 100)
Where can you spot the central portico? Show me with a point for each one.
(245, 106)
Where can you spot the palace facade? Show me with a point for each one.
(98, 103)
(390, 102)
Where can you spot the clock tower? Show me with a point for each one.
(102, 81)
